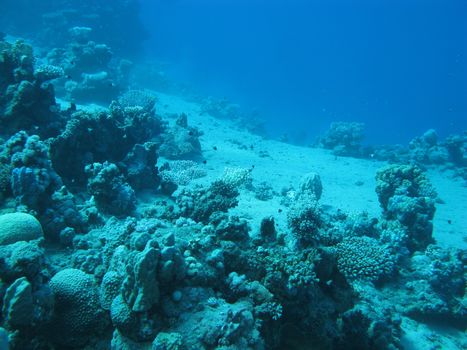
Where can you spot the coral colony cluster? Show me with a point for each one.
(84, 266)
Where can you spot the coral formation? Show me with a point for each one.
(116, 231)
(77, 314)
(26, 99)
(201, 203)
(17, 227)
(304, 218)
(109, 189)
(344, 138)
(364, 258)
(407, 196)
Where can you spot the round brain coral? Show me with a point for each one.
(15, 227)
(363, 258)
(78, 314)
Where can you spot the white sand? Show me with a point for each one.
(348, 183)
(418, 336)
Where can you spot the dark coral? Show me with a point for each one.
(101, 137)
(111, 192)
(26, 103)
(49, 23)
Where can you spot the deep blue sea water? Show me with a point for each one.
(399, 66)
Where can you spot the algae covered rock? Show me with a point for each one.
(15, 227)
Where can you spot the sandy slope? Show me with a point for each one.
(348, 183)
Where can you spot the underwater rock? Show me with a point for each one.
(180, 141)
(140, 167)
(311, 185)
(16, 227)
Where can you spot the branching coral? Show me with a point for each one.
(364, 258)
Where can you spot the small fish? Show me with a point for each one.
(449, 222)
(205, 161)
(214, 148)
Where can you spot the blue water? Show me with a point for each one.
(399, 66)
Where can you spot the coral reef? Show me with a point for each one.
(54, 24)
(407, 196)
(90, 72)
(344, 138)
(103, 245)
(26, 98)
